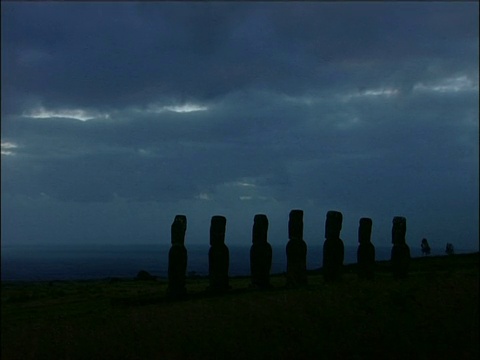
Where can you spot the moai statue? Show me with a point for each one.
(449, 250)
(366, 250)
(296, 251)
(333, 249)
(425, 247)
(177, 259)
(260, 253)
(218, 256)
(400, 258)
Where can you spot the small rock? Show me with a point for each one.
(144, 275)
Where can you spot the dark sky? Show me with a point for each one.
(117, 116)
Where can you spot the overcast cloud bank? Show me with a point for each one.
(118, 116)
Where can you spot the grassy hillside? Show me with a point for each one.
(433, 314)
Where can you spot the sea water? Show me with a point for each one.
(96, 261)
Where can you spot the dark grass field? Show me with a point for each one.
(433, 314)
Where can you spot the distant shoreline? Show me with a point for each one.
(429, 262)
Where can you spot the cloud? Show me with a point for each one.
(242, 108)
(7, 148)
(205, 52)
(77, 114)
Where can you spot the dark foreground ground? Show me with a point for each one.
(433, 314)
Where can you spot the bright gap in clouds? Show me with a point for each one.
(203, 196)
(83, 115)
(372, 93)
(380, 92)
(366, 93)
(244, 189)
(244, 184)
(185, 108)
(454, 84)
(6, 148)
(77, 114)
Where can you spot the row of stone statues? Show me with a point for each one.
(261, 252)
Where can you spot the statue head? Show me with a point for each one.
(260, 228)
(364, 230)
(217, 229)
(333, 224)
(399, 230)
(179, 227)
(295, 225)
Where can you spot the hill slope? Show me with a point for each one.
(431, 314)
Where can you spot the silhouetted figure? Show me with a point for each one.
(260, 253)
(218, 256)
(449, 250)
(366, 250)
(425, 247)
(333, 249)
(400, 259)
(177, 259)
(296, 251)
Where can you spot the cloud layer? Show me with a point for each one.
(117, 116)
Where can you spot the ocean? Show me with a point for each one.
(90, 261)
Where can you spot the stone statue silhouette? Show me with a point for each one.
(366, 250)
(296, 251)
(400, 258)
(425, 247)
(218, 256)
(260, 253)
(177, 258)
(449, 250)
(333, 248)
